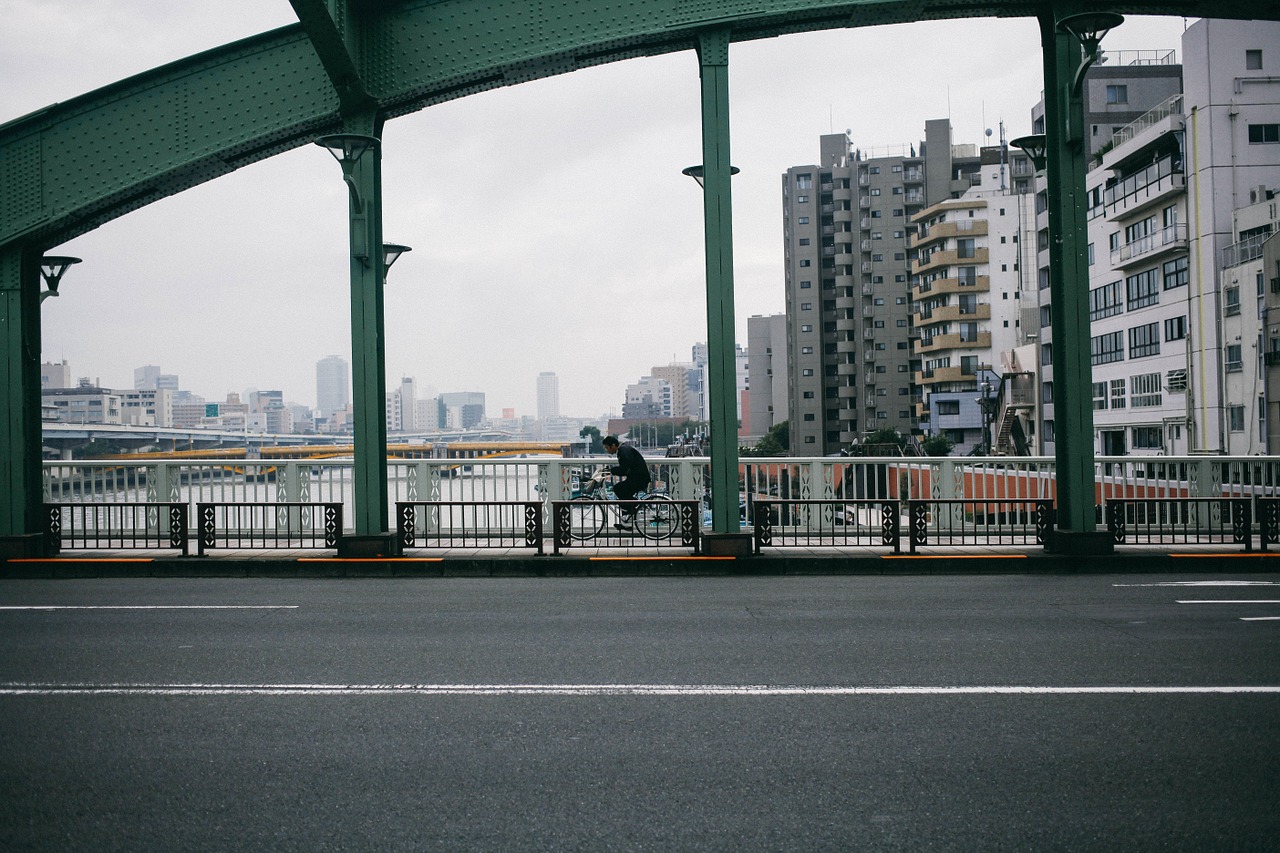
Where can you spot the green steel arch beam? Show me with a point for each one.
(354, 63)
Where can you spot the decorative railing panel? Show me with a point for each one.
(268, 525)
(464, 524)
(1181, 521)
(953, 523)
(117, 526)
(778, 523)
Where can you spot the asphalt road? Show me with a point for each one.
(813, 713)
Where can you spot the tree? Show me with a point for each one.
(776, 442)
(937, 444)
(593, 433)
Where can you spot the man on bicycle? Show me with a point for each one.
(634, 472)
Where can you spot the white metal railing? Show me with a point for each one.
(1170, 235)
(816, 478)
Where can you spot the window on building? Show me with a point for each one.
(806, 350)
(1231, 299)
(803, 220)
(1175, 381)
(806, 327)
(1253, 60)
(1099, 396)
(805, 285)
(1175, 328)
(1235, 418)
(1149, 437)
(1235, 362)
(804, 241)
(1046, 317)
(806, 263)
(1176, 273)
(947, 407)
(1264, 133)
(965, 247)
(1117, 394)
(1145, 390)
(808, 395)
(1144, 340)
(1107, 348)
(801, 199)
(1118, 94)
(1105, 301)
(808, 371)
(804, 181)
(1142, 289)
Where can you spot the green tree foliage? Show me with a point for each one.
(593, 433)
(937, 444)
(777, 442)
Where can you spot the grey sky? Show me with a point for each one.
(551, 227)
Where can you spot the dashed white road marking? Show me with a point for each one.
(150, 607)
(14, 689)
(1260, 618)
(1200, 583)
(1228, 601)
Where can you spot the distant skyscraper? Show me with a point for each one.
(145, 377)
(548, 395)
(332, 385)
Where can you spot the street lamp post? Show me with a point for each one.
(359, 157)
(1071, 46)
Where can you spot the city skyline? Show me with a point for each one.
(242, 282)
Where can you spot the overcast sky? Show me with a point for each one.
(550, 225)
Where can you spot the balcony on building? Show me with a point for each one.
(1144, 250)
(950, 258)
(957, 283)
(935, 343)
(952, 314)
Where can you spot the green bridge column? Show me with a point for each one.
(1076, 530)
(21, 489)
(713, 57)
(368, 359)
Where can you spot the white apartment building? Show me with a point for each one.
(1176, 338)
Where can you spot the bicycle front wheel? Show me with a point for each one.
(586, 518)
(657, 518)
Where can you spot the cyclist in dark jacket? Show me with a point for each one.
(632, 469)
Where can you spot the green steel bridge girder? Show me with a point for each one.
(71, 167)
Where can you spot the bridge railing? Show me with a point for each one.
(546, 479)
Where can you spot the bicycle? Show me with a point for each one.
(656, 515)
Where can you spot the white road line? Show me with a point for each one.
(13, 689)
(1201, 583)
(1229, 601)
(150, 607)
(1259, 618)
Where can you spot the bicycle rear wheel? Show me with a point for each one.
(657, 518)
(586, 518)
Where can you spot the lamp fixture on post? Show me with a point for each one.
(390, 252)
(347, 149)
(1089, 28)
(697, 173)
(52, 268)
(1036, 147)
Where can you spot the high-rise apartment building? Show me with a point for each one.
(846, 222)
(548, 395)
(969, 277)
(332, 385)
